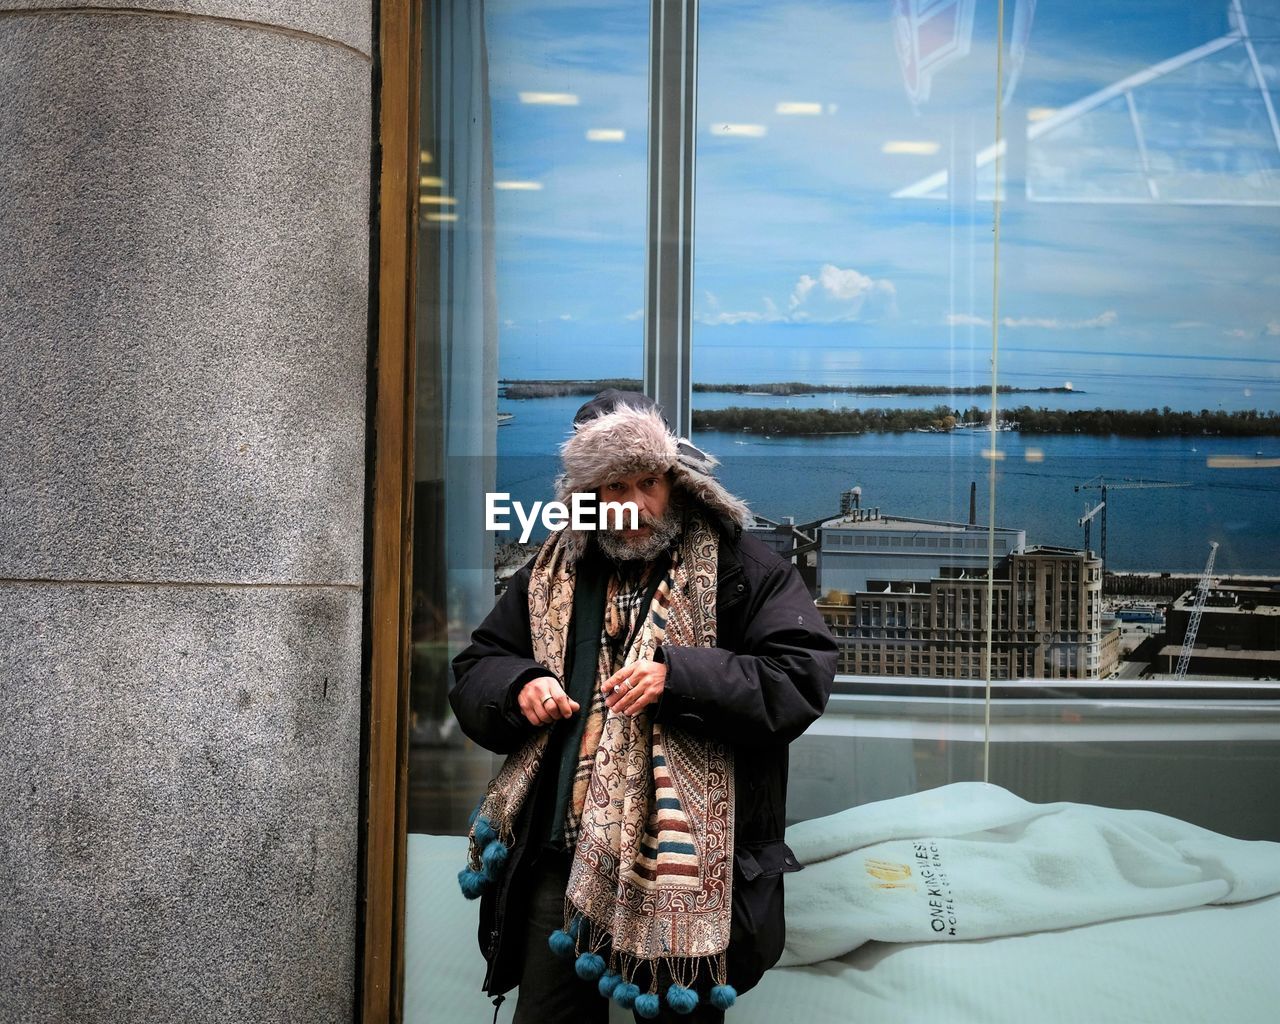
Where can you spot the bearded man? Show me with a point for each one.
(645, 683)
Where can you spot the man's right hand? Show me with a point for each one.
(543, 701)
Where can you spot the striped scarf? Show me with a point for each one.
(652, 808)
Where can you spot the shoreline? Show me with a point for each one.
(1023, 420)
(521, 389)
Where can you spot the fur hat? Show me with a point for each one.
(618, 433)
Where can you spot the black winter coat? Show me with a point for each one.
(767, 680)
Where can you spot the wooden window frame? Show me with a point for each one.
(379, 994)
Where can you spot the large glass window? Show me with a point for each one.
(1080, 604)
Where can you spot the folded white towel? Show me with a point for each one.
(972, 861)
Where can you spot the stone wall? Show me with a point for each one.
(184, 284)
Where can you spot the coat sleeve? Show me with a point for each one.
(488, 675)
(771, 690)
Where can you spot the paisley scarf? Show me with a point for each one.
(649, 893)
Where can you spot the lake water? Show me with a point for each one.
(1101, 378)
(928, 476)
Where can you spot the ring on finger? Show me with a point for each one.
(548, 697)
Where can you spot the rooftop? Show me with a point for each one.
(1247, 603)
(854, 521)
(1172, 652)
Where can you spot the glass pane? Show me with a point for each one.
(532, 182)
(531, 269)
(847, 163)
(842, 338)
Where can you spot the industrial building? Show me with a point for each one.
(908, 597)
(1238, 634)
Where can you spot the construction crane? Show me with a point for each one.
(1197, 610)
(1086, 521)
(1101, 483)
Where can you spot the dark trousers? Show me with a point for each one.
(550, 991)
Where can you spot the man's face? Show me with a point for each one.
(651, 493)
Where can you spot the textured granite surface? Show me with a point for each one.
(185, 288)
(343, 21)
(179, 784)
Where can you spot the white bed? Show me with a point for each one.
(1205, 963)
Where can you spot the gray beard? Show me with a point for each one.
(642, 549)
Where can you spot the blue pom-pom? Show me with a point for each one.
(681, 999)
(626, 994)
(494, 858)
(723, 996)
(484, 832)
(648, 1005)
(608, 982)
(589, 966)
(562, 944)
(472, 883)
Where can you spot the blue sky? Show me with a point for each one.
(805, 261)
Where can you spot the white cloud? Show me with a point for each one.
(802, 289)
(635, 314)
(1107, 319)
(1186, 325)
(841, 294)
(846, 285)
(833, 295)
(769, 315)
(566, 316)
(1270, 330)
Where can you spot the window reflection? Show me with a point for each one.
(1135, 276)
(842, 362)
(531, 186)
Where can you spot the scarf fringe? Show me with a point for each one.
(634, 982)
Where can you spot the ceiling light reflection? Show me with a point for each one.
(441, 218)
(550, 99)
(908, 147)
(606, 135)
(802, 109)
(1040, 113)
(430, 182)
(438, 200)
(749, 131)
(518, 186)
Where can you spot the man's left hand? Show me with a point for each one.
(634, 687)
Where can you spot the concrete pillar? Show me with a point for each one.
(184, 288)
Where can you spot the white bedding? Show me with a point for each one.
(974, 861)
(1209, 963)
